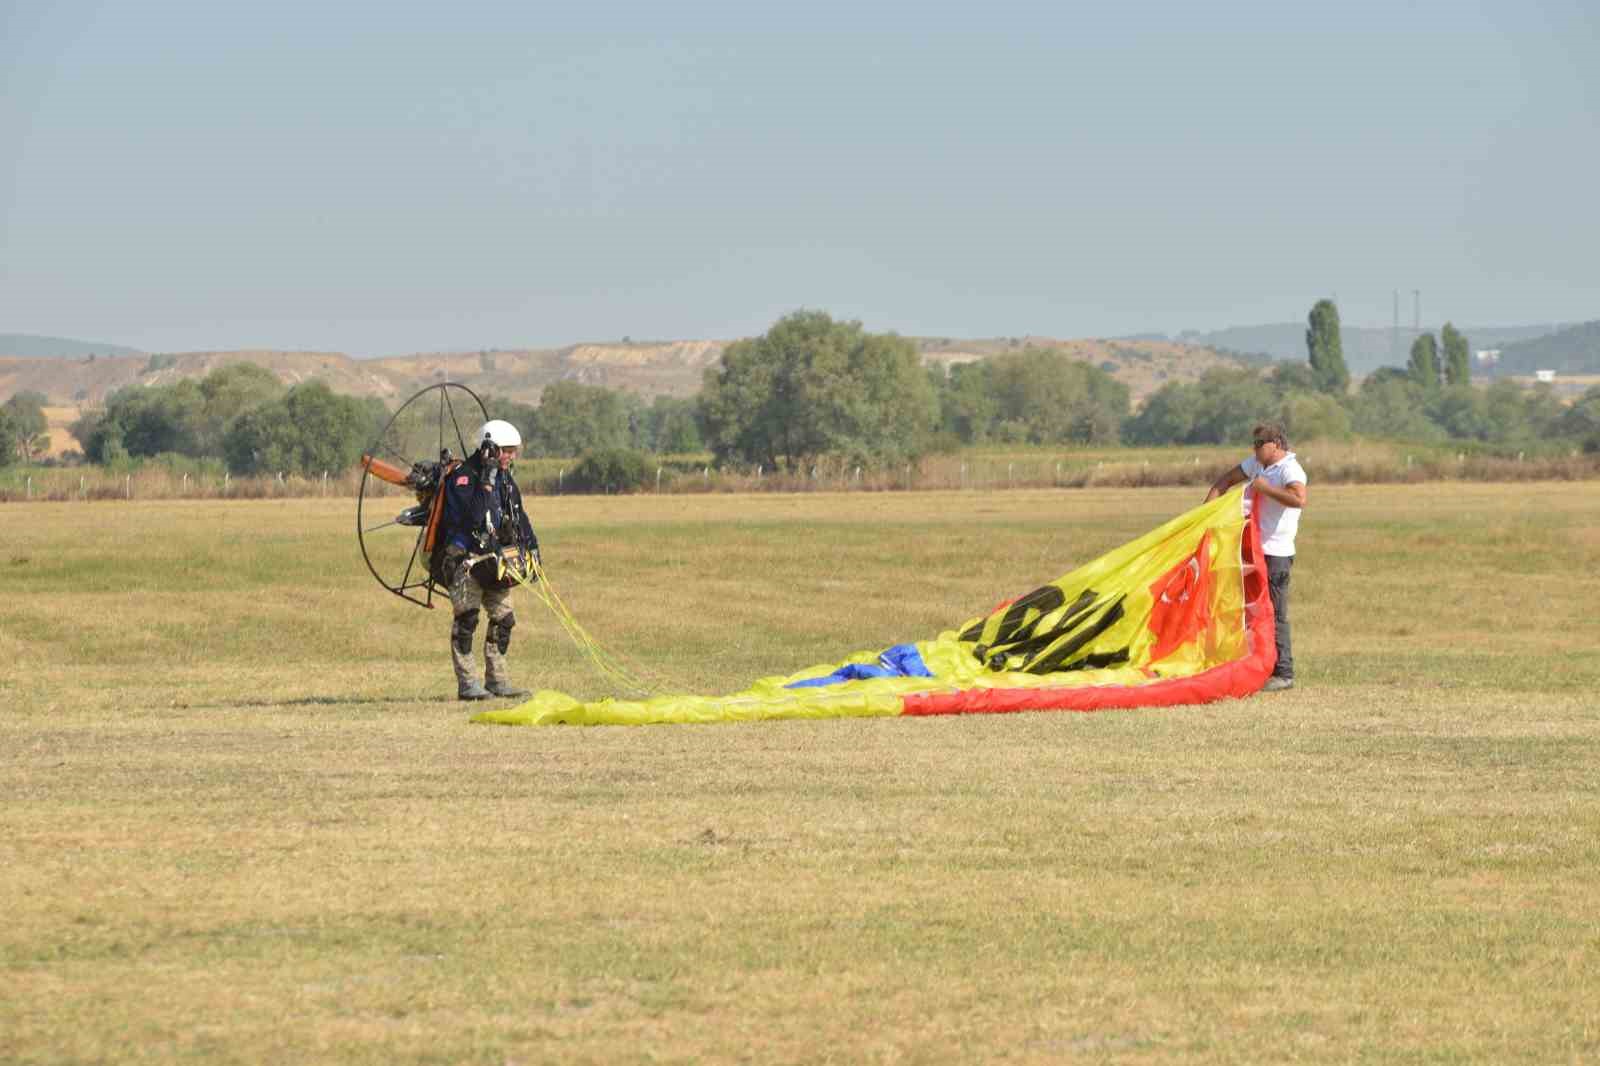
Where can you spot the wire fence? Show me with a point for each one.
(1339, 463)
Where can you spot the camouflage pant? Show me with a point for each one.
(467, 600)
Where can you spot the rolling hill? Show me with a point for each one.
(672, 368)
(28, 346)
(1366, 348)
(1574, 350)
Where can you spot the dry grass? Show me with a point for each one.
(243, 823)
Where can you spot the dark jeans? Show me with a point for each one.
(1278, 567)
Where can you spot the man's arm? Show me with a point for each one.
(1225, 482)
(1291, 495)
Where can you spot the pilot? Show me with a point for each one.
(486, 539)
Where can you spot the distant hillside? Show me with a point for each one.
(671, 368)
(1365, 348)
(1574, 350)
(26, 346)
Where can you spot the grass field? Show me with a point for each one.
(243, 821)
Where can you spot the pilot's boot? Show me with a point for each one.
(496, 672)
(467, 687)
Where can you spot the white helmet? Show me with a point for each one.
(502, 433)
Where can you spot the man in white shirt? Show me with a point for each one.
(1278, 482)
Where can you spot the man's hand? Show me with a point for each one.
(1292, 495)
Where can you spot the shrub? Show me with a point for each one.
(612, 470)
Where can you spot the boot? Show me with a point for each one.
(506, 690)
(471, 690)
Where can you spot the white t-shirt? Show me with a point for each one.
(1278, 523)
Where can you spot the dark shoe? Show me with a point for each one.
(472, 691)
(508, 692)
(1278, 684)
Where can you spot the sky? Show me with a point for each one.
(385, 178)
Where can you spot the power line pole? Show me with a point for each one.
(1394, 332)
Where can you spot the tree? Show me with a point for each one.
(228, 392)
(1054, 399)
(670, 426)
(1461, 412)
(1166, 417)
(1290, 377)
(1326, 348)
(611, 470)
(1457, 358)
(309, 430)
(1581, 421)
(1390, 406)
(1314, 416)
(26, 435)
(145, 421)
(574, 418)
(8, 433)
(968, 409)
(1424, 365)
(811, 386)
(1220, 408)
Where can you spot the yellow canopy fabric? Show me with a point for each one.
(1178, 615)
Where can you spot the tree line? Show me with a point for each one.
(814, 387)
(244, 417)
(1431, 400)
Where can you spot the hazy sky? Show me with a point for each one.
(395, 177)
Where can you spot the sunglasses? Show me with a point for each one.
(1259, 443)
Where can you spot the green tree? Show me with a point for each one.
(26, 435)
(310, 429)
(1460, 410)
(228, 392)
(1457, 358)
(968, 408)
(574, 418)
(1166, 417)
(1290, 377)
(8, 433)
(1219, 408)
(811, 386)
(146, 421)
(1580, 423)
(1314, 416)
(1055, 399)
(670, 426)
(1424, 365)
(608, 470)
(1391, 406)
(1326, 348)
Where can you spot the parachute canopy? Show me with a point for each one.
(1179, 615)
